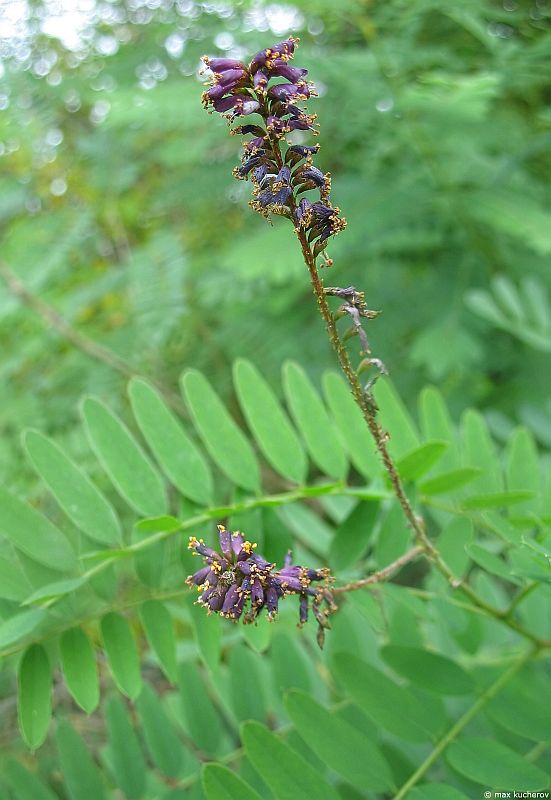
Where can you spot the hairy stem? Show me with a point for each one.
(382, 574)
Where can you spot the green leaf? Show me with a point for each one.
(130, 470)
(128, 762)
(78, 661)
(25, 784)
(224, 440)
(449, 481)
(394, 536)
(208, 634)
(394, 417)
(19, 626)
(199, 713)
(490, 562)
(288, 663)
(34, 698)
(247, 695)
(355, 436)
(491, 763)
(313, 421)
(33, 534)
(162, 742)
(495, 499)
(14, 584)
(158, 524)
(352, 536)
(429, 670)
(79, 498)
(436, 791)
(523, 470)
(418, 461)
(437, 425)
(392, 707)
(285, 772)
(519, 708)
(82, 777)
(159, 631)
(54, 590)
(479, 451)
(220, 783)
(339, 745)
(268, 422)
(179, 457)
(452, 542)
(122, 653)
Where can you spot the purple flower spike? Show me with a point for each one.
(241, 584)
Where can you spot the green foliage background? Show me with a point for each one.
(118, 210)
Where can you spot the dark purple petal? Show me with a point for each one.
(198, 578)
(281, 50)
(312, 174)
(290, 91)
(287, 582)
(260, 173)
(227, 103)
(281, 69)
(291, 571)
(232, 595)
(284, 175)
(304, 150)
(257, 593)
(224, 537)
(244, 567)
(303, 609)
(260, 80)
(223, 64)
(271, 601)
(236, 542)
(231, 76)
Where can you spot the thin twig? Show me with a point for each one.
(382, 574)
(53, 319)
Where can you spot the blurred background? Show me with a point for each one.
(121, 220)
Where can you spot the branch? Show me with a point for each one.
(382, 574)
(52, 319)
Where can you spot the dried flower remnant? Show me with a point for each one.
(281, 171)
(238, 583)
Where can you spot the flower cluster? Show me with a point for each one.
(281, 170)
(238, 583)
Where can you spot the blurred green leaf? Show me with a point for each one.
(78, 661)
(34, 698)
(431, 671)
(81, 776)
(122, 654)
(33, 534)
(220, 783)
(268, 423)
(313, 422)
(286, 773)
(491, 763)
(224, 440)
(83, 503)
(159, 631)
(129, 469)
(128, 761)
(178, 456)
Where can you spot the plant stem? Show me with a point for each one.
(462, 722)
(382, 574)
(380, 436)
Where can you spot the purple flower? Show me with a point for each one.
(240, 584)
(238, 90)
(279, 52)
